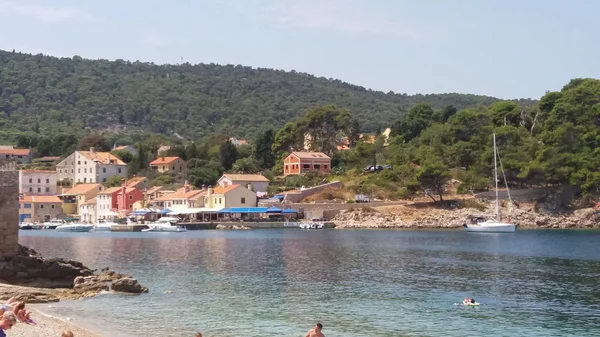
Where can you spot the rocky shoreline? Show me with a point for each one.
(441, 218)
(34, 279)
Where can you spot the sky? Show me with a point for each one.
(501, 48)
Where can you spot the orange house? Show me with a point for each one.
(302, 162)
(168, 164)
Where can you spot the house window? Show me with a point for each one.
(131, 197)
(84, 180)
(119, 170)
(91, 170)
(85, 162)
(47, 181)
(79, 162)
(30, 180)
(104, 170)
(305, 166)
(39, 181)
(72, 171)
(173, 168)
(325, 167)
(243, 200)
(27, 205)
(317, 166)
(47, 189)
(60, 171)
(41, 206)
(39, 189)
(103, 180)
(52, 206)
(31, 189)
(85, 170)
(78, 170)
(163, 168)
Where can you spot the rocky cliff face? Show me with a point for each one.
(455, 218)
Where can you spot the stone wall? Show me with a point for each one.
(9, 210)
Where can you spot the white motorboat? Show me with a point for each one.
(310, 225)
(104, 226)
(165, 224)
(495, 224)
(74, 228)
(52, 224)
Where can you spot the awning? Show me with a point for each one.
(164, 211)
(274, 209)
(289, 211)
(224, 210)
(194, 211)
(144, 211)
(248, 210)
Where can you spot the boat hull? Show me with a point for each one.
(311, 226)
(165, 229)
(73, 228)
(494, 227)
(102, 228)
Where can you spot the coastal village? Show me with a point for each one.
(72, 189)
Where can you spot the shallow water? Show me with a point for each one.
(358, 283)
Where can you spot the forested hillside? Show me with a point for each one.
(46, 95)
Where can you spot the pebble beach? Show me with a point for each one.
(47, 326)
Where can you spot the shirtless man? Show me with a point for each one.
(316, 331)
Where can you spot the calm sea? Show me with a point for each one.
(357, 283)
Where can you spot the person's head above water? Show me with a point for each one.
(66, 333)
(318, 327)
(472, 300)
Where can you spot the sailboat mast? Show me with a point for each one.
(496, 180)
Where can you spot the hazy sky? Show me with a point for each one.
(503, 48)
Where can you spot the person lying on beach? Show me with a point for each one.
(66, 333)
(315, 331)
(8, 321)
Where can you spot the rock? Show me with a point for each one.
(89, 283)
(128, 285)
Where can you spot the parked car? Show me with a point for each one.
(358, 198)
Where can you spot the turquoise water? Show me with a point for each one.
(357, 283)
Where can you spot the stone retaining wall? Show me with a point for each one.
(9, 210)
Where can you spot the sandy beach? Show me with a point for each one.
(47, 326)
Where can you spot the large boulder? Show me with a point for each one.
(89, 283)
(128, 285)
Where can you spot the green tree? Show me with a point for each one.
(414, 122)
(227, 155)
(113, 181)
(125, 156)
(432, 177)
(263, 149)
(94, 140)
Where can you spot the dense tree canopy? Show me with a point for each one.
(45, 95)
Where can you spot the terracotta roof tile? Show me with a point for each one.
(82, 189)
(246, 177)
(102, 157)
(225, 189)
(163, 160)
(111, 190)
(15, 152)
(310, 155)
(41, 198)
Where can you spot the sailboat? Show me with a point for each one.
(494, 225)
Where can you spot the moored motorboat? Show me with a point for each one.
(74, 228)
(26, 226)
(165, 224)
(104, 226)
(52, 224)
(310, 225)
